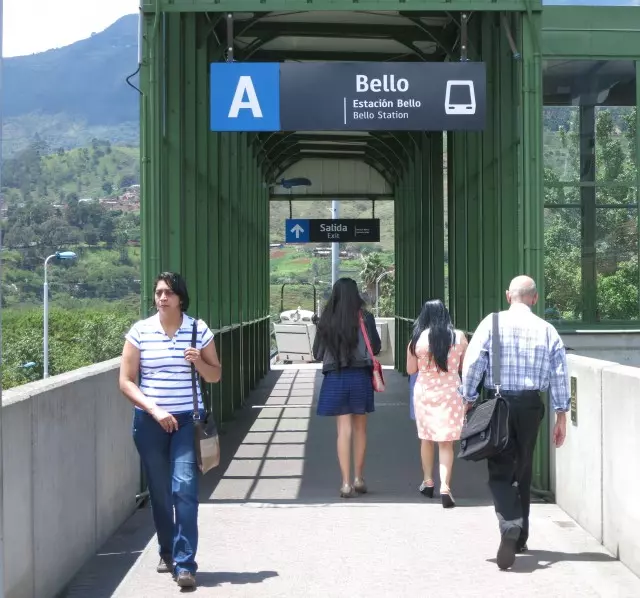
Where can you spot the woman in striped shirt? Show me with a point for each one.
(158, 349)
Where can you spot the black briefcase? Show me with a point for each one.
(485, 432)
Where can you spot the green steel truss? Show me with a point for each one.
(205, 196)
(213, 6)
(205, 210)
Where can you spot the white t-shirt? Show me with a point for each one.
(165, 374)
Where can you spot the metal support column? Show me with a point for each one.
(335, 247)
(588, 211)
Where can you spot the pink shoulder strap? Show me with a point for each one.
(364, 333)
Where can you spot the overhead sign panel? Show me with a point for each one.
(366, 96)
(345, 230)
(361, 96)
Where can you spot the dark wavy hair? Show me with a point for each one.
(435, 317)
(177, 284)
(339, 323)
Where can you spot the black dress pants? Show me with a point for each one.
(510, 472)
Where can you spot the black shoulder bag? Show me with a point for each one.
(206, 434)
(485, 432)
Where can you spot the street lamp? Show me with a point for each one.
(295, 182)
(59, 255)
(378, 290)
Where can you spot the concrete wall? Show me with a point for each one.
(621, 463)
(595, 474)
(71, 473)
(621, 347)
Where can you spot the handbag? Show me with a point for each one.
(485, 432)
(377, 377)
(207, 444)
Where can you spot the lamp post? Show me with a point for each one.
(1, 460)
(335, 247)
(378, 291)
(59, 255)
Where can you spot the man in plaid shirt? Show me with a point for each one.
(532, 360)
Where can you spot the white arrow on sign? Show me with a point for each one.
(298, 230)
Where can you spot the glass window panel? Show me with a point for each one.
(617, 263)
(615, 146)
(563, 275)
(557, 193)
(589, 82)
(590, 158)
(561, 144)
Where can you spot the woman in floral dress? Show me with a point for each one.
(436, 352)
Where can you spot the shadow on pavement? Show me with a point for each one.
(278, 451)
(211, 580)
(534, 560)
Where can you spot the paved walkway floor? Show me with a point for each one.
(272, 524)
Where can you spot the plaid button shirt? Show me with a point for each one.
(532, 357)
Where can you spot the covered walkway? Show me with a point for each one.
(271, 522)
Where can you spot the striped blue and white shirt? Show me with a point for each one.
(532, 357)
(165, 374)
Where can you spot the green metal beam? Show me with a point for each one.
(272, 175)
(372, 147)
(387, 145)
(411, 55)
(410, 32)
(212, 6)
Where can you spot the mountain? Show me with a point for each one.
(70, 95)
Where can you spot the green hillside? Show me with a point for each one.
(42, 173)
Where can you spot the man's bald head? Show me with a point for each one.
(523, 290)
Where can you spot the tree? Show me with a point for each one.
(127, 181)
(372, 268)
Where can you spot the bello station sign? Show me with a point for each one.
(337, 96)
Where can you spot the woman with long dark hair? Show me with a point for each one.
(436, 352)
(347, 387)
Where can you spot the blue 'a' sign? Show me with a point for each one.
(245, 96)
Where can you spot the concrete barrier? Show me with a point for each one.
(595, 474)
(578, 464)
(71, 473)
(621, 463)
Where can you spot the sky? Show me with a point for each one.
(37, 25)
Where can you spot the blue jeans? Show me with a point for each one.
(169, 462)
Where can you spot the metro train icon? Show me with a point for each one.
(460, 98)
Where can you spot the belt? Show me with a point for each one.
(520, 394)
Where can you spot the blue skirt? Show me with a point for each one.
(347, 391)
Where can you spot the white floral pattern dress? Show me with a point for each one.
(437, 403)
